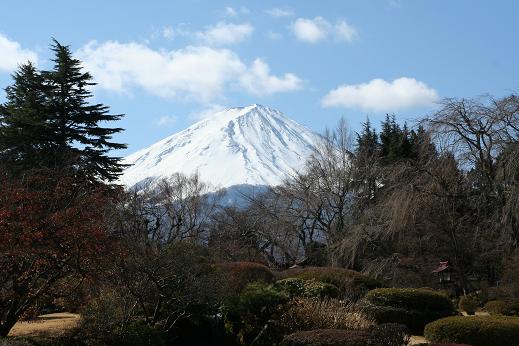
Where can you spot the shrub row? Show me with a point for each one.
(350, 283)
(240, 274)
(500, 307)
(295, 287)
(475, 330)
(390, 334)
(327, 337)
(411, 307)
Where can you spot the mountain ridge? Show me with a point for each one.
(252, 145)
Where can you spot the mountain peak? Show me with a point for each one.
(255, 145)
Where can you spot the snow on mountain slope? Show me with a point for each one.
(254, 145)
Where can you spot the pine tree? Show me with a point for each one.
(25, 131)
(48, 123)
(367, 141)
(390, 140)
(367, 161)
(82, 143)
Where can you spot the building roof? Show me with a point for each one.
(443, 266)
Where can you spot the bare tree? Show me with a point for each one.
(476, 130)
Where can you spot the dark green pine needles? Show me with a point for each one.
(47, 122)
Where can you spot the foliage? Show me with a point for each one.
(351, 284)
(327, 337)
(295, 287)
(475, 330)
(501, 307)
(47, 123)
(308, 314)
(410, 298)
(411, 307)
(496, 307)
(51, 235)
(240, 274)
(389, 334)
(468, 304)
(257, 305)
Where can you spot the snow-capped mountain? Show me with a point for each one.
(254, 145)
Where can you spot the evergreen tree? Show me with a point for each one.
(48, 123)
(25, 131)
(367, 154)
(367, 141)
(82, 143)
(390, 140)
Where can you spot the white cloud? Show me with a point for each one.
(311, 30)
(230, 12)
(166, 120)
(12, 54)
(168, 32)
(225, 33)
(318, 29)
(258, 80)
(345, 32)
(206, 112)
(382, 96)
(195, 72)
(280, 12)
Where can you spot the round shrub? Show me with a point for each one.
(412, 307)
(468, 304)
(249, 313)
(349, 282)
(501, 307)
(327, 337)
(496, 307)
(295, 287)
(240, 274)
(475, 330)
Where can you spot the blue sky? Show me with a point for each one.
(166, 64)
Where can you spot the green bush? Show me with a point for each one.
(252, 311)
(501, 307)
(295, 287)
(468, 304)
(240, 274)
(475, 330)
(327, 337)
(496, 307)
(350, 283)
(412, 307)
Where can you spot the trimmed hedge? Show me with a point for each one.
(500, 307)
(412, 307)
(475, 330)
(349, 282)
(247, 315)
(240, 274)
(295, 287)
(327, 337)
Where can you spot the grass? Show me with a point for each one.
(46, 325)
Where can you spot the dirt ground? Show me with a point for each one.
(417, 340)
(47, 325)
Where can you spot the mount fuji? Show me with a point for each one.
(253, 145)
